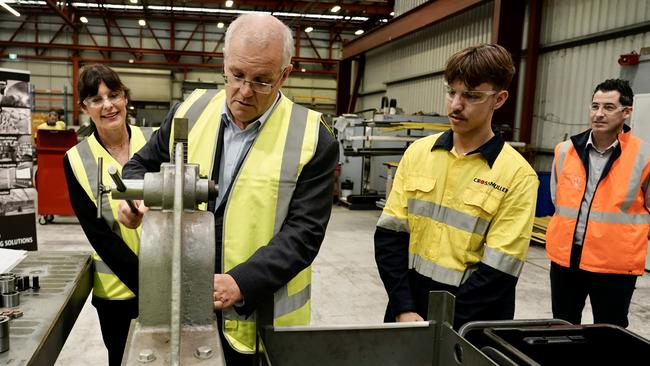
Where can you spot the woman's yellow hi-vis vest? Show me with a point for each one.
(83, 159)
(259, 198)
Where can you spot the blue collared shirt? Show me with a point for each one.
(236, 143)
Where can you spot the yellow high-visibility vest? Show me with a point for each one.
(259, 198)
(83, 158)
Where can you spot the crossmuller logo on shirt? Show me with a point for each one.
(491, 184)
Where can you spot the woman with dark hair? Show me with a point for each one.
(103, 96)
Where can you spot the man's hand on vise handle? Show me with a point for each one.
(129, 218)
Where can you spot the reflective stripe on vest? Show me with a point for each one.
(449, 216)
(491, 257)
(102, 267)
(83, 160)
(618, 200)
(438, 273)
(501, 261)
(260, 194)
(634, 184)
(202, 108)
(465, 222)
(606, 217)
(563, 148)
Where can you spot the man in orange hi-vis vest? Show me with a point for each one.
(598, 238)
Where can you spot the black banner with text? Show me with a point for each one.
(17, 194)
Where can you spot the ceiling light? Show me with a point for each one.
(133, 1)
(83, 20)
(229, 3)
(228, 12)
(392, 13)
(13, 56)
(9, 8)
(220, 25)
(359, 32)
(130, 60)
(309, 29)
(335, 9)
(142, 22)
(303, 70)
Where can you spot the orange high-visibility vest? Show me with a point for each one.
(616, 236)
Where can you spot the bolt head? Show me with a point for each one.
(203, 352)
(146, 356)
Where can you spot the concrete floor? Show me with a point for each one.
(346, 288)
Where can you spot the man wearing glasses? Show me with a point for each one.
(598, 237)
(274, 162)
(460, 214)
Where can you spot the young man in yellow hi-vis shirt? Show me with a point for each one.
(460, 213)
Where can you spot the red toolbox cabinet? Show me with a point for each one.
(52, 189)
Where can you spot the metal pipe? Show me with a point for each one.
(134, 190)
(176, 256)
(119, 184)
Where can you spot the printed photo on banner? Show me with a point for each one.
(17, 201)
(15, 121)
(14, 93)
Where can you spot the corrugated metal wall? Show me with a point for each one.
(566, 77)
(402, 6)
(562, 20)
(409, 69)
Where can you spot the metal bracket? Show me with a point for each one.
(177, 262)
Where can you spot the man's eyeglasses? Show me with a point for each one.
(469, 96)
(258, 87)
(97, 101)
(608, 108)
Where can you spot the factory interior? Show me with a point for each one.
(370, 79)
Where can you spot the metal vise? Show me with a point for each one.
(176, 323)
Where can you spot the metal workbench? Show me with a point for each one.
(49, 313)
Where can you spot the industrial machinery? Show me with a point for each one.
(176, 323)
(366, 144)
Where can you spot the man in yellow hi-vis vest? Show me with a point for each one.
(53, 122)
(460, 213)
(274, 162)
